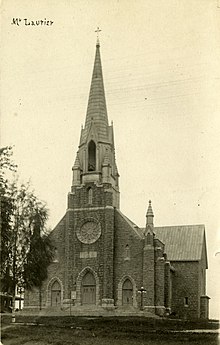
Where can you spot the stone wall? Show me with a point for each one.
(185, 290)
(128, 258)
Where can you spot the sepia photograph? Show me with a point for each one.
(109, 172)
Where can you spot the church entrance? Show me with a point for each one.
(127, 293)
(88, 289)
(55, 294)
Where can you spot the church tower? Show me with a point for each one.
(95, 163)
(92, 202)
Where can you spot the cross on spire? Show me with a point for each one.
(97, 32)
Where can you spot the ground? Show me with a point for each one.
(91, 331)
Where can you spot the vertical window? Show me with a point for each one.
(148, 238)
(91, 156)
(127, 252)
(55, 257)
(90, 195)
(186, 301)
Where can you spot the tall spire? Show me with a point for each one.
(97, 110)
(95, 161)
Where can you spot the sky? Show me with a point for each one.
(161, 72)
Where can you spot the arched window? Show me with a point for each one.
(90, 195)
(91, 156)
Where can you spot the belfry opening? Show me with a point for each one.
(91, 156)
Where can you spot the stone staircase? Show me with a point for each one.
(94, 311)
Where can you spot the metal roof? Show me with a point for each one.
(182, 243)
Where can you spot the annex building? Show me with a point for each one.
(103, 261)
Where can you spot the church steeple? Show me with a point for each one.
(96, 154)
(97, 110)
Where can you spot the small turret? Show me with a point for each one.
(76, 172)
(149, 234)
(106, 165)
(150, 215)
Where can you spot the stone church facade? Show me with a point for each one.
(103, 261)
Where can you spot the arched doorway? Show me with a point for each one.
(127, 293)
(55, 294)
(88, 289)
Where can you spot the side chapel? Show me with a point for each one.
(102, 259)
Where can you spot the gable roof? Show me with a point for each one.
(183, 242)
(136, 230)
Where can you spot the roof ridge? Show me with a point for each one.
(184, 225)
(132, 224)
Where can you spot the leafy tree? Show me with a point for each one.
(40, 254)
(26, 250)
(6, 208)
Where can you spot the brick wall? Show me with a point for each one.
(204, 307)
(101, 261)
(128, 258)
(102, 195)
(186, 285)
(167, 285)
(149, 275)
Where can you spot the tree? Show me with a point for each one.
(6, 208)
(26, 250)
(39, 256)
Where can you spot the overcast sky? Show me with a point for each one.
(161, 71)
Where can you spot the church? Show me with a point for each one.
(105, 264)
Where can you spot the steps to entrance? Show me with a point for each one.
(94, 311)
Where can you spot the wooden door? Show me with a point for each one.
(55, 294)
(55, 298)
(127, 293)
(88, 289)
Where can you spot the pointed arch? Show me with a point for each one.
(54, 282)
(126, 279)
(87, 270)
(127, 293)
(91, 156)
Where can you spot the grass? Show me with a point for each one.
(118, 323)
(45, 335)
(105, 331)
